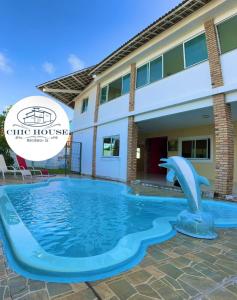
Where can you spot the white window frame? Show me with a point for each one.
(217, 35)
(162, 56)
(184, 54)
(107, 91)
(191, 138)
(162, 66)
(122, 85)
(148, 74)
(110, 137)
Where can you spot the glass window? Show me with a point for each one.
(115, 146)
(84, 105)
(107, 147)
(173, 61)
(187, 149)
(142, 76)
(227, 32)
(201, 149)
(115, 89)
(197, 148)
(111, 146)
(138, 154)
(156, 69)
(195, 50)
(126, 84)
(103, 94)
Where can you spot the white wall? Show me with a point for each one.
(114, 109)
(186, 85)
(112, 167)
(86, 138)
(87, 118)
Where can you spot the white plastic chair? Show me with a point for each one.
(11, 170)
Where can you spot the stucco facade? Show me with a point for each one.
(198, 101)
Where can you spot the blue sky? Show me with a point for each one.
(43, 39)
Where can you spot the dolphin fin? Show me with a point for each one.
(203, 180)
(170, 176)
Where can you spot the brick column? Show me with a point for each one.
(224, 132)
(97, 104)
(132, 149)
(132, 87)
(224, 146)
(132, 129)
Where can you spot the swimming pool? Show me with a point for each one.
(70, 230)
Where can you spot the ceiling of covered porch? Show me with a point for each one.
(181, 120)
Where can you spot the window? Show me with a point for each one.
(111, 146)
(103, 95)
(84, 105)
(227, 32)
(156, 69)
(142, 76)
(199, 148)
(195, 50)
(126, 84)
(173, 61)
(115, 89)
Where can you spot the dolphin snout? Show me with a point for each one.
(165, 163)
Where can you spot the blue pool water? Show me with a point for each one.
(83, 218)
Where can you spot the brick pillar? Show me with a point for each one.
(97, 104)
(224, 132)
(132, 87)
(94, 152)
(132, 149)
(224, 146)
(132, 130)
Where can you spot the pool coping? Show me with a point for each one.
(28, 258)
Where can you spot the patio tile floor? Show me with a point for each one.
(181, 268)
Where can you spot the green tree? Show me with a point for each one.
(4, 148)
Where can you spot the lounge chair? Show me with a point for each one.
(23, 166)
(4, 169)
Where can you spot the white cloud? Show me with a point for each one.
(4, 64)
(48, 67)
(75, 62)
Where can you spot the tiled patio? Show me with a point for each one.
(182, 268)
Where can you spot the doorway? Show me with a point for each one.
(156, 149)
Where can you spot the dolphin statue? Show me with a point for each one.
(182, 170)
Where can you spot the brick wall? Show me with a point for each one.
(132, 149)
(213, 54)
(224, 146)
(132, 87)
(132, 130)
(224, 131)
(97, 103)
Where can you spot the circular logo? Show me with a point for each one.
(36, 128)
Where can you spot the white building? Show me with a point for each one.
(171, 89)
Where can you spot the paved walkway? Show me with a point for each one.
(182, 268)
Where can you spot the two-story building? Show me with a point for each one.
(170, 90)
